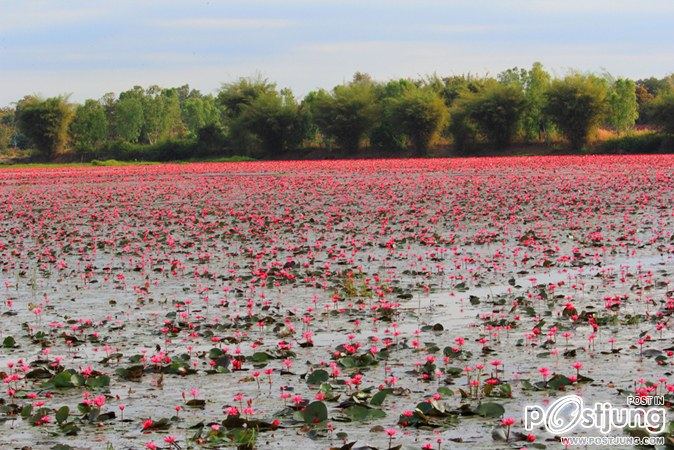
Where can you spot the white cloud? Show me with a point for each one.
(221, 23)
(591, 6)
(468, 28)
(38, 15)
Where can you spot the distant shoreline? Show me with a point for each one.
(363, 155)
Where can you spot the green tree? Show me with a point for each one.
(211, 140)
(108, 101)
(577, 105)
(275, 119)
(644, 104)
(515, 76)
(451, 88)
(172, 124)
(657, 86)
(184, 92)
(457, 91)
(663, 112)
(45, 123)
(534, 123)
(199, 111)
(533, 83)
(129, 116)
(462, 130)
(233, 97)
(347, 114)
(161, 114)
(496, 112)
(647, 90)
(420, 114)
(89, 128)
(154, 124)
(6, 128)
(623, 109)
(386, 135)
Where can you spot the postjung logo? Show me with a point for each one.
(568, 412)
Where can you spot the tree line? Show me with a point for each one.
(253, 117)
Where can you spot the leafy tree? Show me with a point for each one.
(184, 92)
(89, 128)
(420, 114)
(644, 104)
(386, 135)
(647, 90)
(656, 86)
(622, 105)
(663, 112)
(45, 123)
(577, 104)
(496, 112)
(462, 130)
(347, 114)
(275, 119)
(108, 102)
(172, 124)
(211, 140)
(534, 83)
(457, 91)
(515, 76)
(362, 77)
(129, 116)
(154, 123)
(451, 88)
(233, 97)
(162, 115)
(534, 122)
(6, 128)
(199, 111)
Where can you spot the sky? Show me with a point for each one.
(87, 48)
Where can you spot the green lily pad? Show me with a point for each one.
(359, 413)
(490, 409)
(61, 414)
(318, 376)
(315, 412)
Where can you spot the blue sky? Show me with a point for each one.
(88, 48)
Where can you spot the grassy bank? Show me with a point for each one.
(113, 163)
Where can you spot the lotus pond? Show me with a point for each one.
(330, 304)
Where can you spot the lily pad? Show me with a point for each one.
(490, 409)
(315, 412)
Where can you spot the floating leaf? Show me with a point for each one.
(318, 376)
(359, 413)
(378, 398)
(447, 392)
(67, 379)
(26, 411)
(98, 382)
(196, 403)
(490, 409)
(315, 412)
(132, 373)
(9, 342)
(61, 447)
(39, 373)
(61, 414)
(558, 382)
